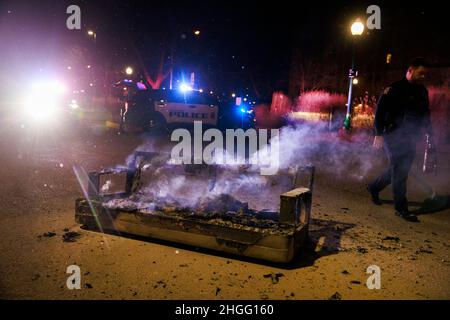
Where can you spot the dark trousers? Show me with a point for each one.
(400, 153)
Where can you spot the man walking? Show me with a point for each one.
(401, 116)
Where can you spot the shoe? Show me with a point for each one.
(408, 216)
(375, 196)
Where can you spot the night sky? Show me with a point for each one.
(247, 46)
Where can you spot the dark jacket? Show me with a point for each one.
(403, 107)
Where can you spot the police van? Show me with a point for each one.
(158, 110)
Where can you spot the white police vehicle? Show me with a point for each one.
(158, 110)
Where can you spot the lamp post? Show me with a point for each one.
(357, 29)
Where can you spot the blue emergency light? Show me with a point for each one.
(185, 88)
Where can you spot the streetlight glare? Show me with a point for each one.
(357, 28)
(197, 32)
(90, 32)
(129, 71)
(355, 81)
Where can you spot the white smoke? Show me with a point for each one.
(298, 146)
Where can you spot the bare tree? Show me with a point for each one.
(313, 72)
(156, 81)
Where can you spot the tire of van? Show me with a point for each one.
(155, 124)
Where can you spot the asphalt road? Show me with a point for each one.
(348, 234)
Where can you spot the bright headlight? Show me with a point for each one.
(44, 100)
(53, 87)
(40, 107)
(185, 88)
(74, 104)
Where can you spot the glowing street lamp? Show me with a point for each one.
(197, 32)
(92, 33)
(129, 71)
(357, 29)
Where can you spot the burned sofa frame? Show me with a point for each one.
(280, 244)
